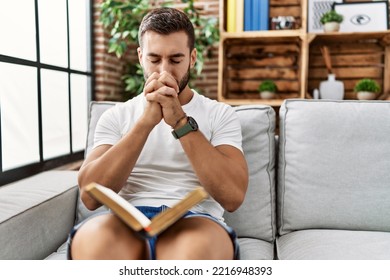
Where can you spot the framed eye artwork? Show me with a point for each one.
(363, 16)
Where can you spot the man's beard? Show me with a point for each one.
(182, 83)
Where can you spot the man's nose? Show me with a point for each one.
(165, 66)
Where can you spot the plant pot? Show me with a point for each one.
(366, 95)
(267, 95)
(331, 27)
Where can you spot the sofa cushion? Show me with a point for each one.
(60, 254)
(255, 249)
(96, 109)
(256, 216)
(334, 245)
(334, 162)
(37, 214)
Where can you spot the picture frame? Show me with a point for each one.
(316, 8)
(363, 16)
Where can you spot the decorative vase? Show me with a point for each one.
(366, 95)
(316, 94)
(332, 89)
(267, 94)
(331, 26)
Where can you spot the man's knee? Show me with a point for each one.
(195, 238)
(106, 237)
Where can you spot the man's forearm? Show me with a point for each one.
(222, 170)
(113, 166)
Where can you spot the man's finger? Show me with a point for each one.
(167, 91)
(168, 80)
(153, 76)
(152, 86)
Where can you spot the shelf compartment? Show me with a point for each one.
(354, 56)
(276, 8)
(248, 61)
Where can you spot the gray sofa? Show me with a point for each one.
(319, 190)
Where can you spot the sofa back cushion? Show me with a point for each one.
(334, 165)
(96, 109)
(256, 216)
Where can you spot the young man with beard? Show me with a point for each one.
(158, 146)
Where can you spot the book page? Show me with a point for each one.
(127, 212)
(166, 218)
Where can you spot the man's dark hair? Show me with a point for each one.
(166, 21)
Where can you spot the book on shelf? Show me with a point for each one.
(259, 10)
(256, 15)
(264, 14)
(239, 15)
(135, 219)
(248, 15)
(231, 15)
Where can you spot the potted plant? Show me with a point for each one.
(331, 21)
(267, 89)
(367, 89)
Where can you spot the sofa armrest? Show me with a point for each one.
(36, 214)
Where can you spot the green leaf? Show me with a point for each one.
(119, 52)
(134, 33)
(125, 34)
(112, 47)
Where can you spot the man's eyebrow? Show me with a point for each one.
(171, 56)
(177, 55)
(153, 54)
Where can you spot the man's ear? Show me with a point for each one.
(193, 57)
(139, 51)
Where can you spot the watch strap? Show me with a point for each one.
(185, 129)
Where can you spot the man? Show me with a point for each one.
(158, 146)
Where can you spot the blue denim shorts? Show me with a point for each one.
(150, 212)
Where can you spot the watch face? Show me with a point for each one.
(193, 123)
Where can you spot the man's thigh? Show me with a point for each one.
(106, 237)
(196, 238)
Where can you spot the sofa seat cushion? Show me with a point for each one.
(36, 214)
(334, 245)
(255, 249)
(250, 249)
(60, 254)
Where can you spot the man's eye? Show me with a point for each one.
(175, 62)
(154, 61)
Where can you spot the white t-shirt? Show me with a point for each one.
(163, 174)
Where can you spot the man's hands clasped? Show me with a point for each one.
(161, 91)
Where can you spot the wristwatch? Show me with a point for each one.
(191, 125)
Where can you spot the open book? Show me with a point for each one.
(135, 219)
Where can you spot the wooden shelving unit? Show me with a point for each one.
(292, 58)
